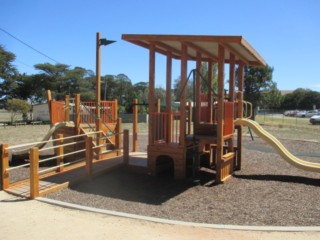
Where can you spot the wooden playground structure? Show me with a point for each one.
(180, 145)
(87, 137)
(78, 149)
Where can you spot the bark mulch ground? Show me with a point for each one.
(267, 191)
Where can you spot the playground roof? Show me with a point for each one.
(208, 46)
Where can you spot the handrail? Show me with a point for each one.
(52, 140)
(248, 114)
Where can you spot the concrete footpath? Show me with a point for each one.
(32, 219)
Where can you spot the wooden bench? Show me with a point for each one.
(19, 123)
(36, 122)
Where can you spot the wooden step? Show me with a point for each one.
(228, 156)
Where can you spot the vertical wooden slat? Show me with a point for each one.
(210, 105)
(4, 166)
(158, 105)
(34, 169)
(135, 126)
(118, 131)
(59, 152)
(189, 116)
(67, 108)
(89, 156)
(115, 110)
(220, 116)
(77, 114)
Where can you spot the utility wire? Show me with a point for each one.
(28, 45)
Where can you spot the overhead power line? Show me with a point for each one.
(43, 54)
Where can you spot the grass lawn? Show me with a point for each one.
(289, 127)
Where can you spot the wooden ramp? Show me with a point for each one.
(57, 181)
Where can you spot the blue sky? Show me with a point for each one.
(286, 33)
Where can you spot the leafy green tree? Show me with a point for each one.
(301, 99)
(140, 91)
(17, 106)
(123, 90)
(8, 73)
(178, 88)
(256, 81)
(204, 78)
(272, 99)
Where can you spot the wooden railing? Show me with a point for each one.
(166, 127)
(108, 112)
(86, 154)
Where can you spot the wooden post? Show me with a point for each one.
(67, 109)
(158, 105)
(231, 95)
(240, 114)
(152, 61)
(210, 104)
(115, 117)
(99, 135)
(168, 94)
(126, 146)
(89, 156)
(189, 117)
(59, 152)
(49, 97)
(240, 89)
(118, 133)
(184, 69)
(98, 78)
(34, 175)
(232, 76)
(77, 114)
(220, 116)
(197, 117)
(4, 166)
(135, 126)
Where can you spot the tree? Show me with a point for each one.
(178, 88)
(301, 99)
(204, 71)
(55, 78)
(17, 106)
(271, 99)
(256, 81)
(8, 74)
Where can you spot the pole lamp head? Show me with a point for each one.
(104, 42)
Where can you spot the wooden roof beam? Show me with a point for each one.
(202, 51)
(175, 52)
(236, 53)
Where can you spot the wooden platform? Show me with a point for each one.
(57, 181)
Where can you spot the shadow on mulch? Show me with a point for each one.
(134, 187)
(282, 178)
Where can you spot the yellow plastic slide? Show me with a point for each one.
(46, 137)
(275, 143)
